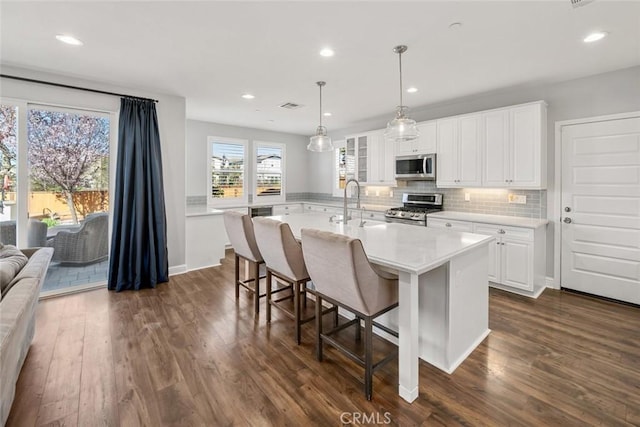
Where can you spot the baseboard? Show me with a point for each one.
(200, 268)
(177, 269)
(531, 294)
(550, 282)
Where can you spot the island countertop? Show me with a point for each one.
(398, 246)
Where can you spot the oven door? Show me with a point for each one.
(407, 221)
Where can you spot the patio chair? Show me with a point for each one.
(88, 244)
(36, 234)
(8, 232)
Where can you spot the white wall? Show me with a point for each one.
(602, 94)
(198, 131)
(171, 121)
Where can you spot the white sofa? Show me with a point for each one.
(20, 290)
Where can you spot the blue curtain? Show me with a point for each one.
(139, 239)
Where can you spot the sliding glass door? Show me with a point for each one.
(62, 155)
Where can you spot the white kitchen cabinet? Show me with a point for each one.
(450, 224)
(381, 160)
(514, 141)
(459, 152)
(517, 260)
(359, 145)
(375, 158)
(287, 209)
(425, 144)
(512, 258)
(329, 210)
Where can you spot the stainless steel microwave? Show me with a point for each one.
(416, 167)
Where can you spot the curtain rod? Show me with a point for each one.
(24, 79)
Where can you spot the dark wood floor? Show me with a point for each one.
(188, 354)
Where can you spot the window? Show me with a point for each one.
(8, 160)
(344, 166)
(227, 171)
(269, 172)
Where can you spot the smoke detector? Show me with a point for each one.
(580, 3)
(291, 106)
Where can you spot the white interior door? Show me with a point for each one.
(601, 208)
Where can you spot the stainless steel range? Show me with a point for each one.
(415, 208)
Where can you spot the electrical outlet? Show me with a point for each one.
(390, 193)
(366, 192)
(467, 197)
(519, 199)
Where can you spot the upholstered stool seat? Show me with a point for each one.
(283, 257)
(342, 275)
(241, 236)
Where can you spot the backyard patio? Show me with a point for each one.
(61, 277)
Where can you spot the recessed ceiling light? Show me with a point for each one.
(248, 96)
(594, 37)
(64, 38)
(327, 114)
(327, 52)
(412, 90)
(455, 26)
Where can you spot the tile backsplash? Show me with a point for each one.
(481, 200)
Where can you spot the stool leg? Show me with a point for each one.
(318, 327)
(256, 299)
(335, 316)
(358, 334)
(304, 287)
(237, 275)
(296, 308)
(268, 284)
(368, 356)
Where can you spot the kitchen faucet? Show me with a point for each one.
(345, 217)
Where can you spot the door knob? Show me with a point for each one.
(567, 209)
(567, 220)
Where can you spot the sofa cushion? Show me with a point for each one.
(11, 262)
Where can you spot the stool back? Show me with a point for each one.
(281, 251)
(240, 231)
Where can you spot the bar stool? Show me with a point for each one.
(342, 274)
(284, 260)
(240, 231)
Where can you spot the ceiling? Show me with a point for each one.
(213, 52)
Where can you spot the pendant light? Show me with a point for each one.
(401, 128)
(320, 141)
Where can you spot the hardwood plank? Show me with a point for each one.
(189, 353)
(98, 397)
(61, 396)
(32, 379)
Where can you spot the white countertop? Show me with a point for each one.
(398, 246)
(201, 210)
(515, 221)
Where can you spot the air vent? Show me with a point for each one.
(291, 106)
(579, 3)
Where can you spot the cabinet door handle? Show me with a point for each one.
(447, 225)
(501, 231)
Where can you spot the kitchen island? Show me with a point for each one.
(443, 310)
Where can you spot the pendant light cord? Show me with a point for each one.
(319, 85)
(400, 61)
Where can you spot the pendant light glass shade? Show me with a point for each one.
(401, 128)
(320, 142)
